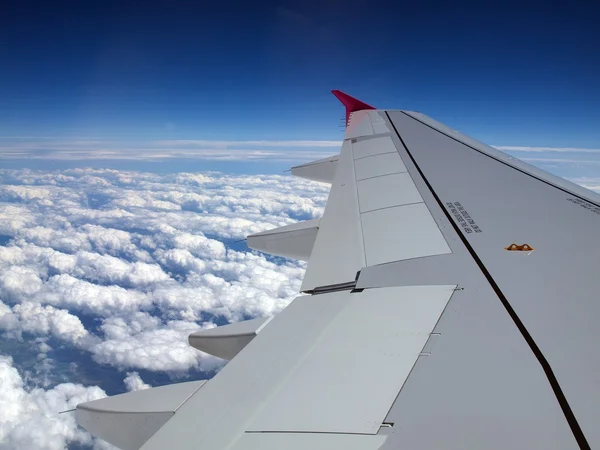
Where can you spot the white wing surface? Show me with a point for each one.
(450, 302)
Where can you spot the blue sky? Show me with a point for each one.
(506, 73)
(123, 239)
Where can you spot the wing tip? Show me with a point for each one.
(352, 104)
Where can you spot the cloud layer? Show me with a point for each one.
(61, 149)
(49, 148)
(30, 417)
(121, 267)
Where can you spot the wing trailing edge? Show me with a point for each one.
(322, 170)
(129, 420)
(228, 340)
(294, 241)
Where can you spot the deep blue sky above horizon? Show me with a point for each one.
(509, 74)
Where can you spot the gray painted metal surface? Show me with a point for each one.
(228, 340)
(372, 216)
(308, 441)
(313, 332)
(322, 170)
(477, 383)
(553, 289)
(379, 123)
(338, 253)
(437, 269)
(378, 331)
(220, 412)
(387, 191)
(374, 146)
(378, 165)
(401, 232)
(360, 125)
(291, 241)
(129, 420)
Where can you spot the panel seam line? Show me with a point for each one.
(383, 175)
(362, 234)
(376, 154)
(393, 206)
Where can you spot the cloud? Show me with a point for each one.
(125, 265)
(291, 151)
(559, 160)
(24, 193)
(133, 382)
(508, 148)
(42, 320)
(237, 144)
(30, 417)
(591, 183)
(144, 343)
(122, 266)
(564, 161)
(217, 150)
(93, 299)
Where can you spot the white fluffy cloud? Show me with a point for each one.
(123, 266)
(42, 320)
(143, 341)
(30, 417)
(133, 382)
(146, 258)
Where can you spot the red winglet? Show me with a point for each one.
(352, 104)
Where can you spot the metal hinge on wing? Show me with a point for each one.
(347, 286)
(333, 288)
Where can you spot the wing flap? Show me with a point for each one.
(338, 253)
(322, 170)
(310, 366)
(387, 191)
(401, 232)
(378, 165)
(375, 214)
(129, 420)
(291, 241)
(374, 146)
(305, 441)
(379, 331)
(228, 340)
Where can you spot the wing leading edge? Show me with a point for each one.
(421, 331)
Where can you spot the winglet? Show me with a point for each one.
(352, 104)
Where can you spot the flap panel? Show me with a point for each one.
(129, 420)
(294, 241)
(305, 441)
(322, 170)
(228, 340)
(378, 331)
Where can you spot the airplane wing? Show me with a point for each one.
(450, 302)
